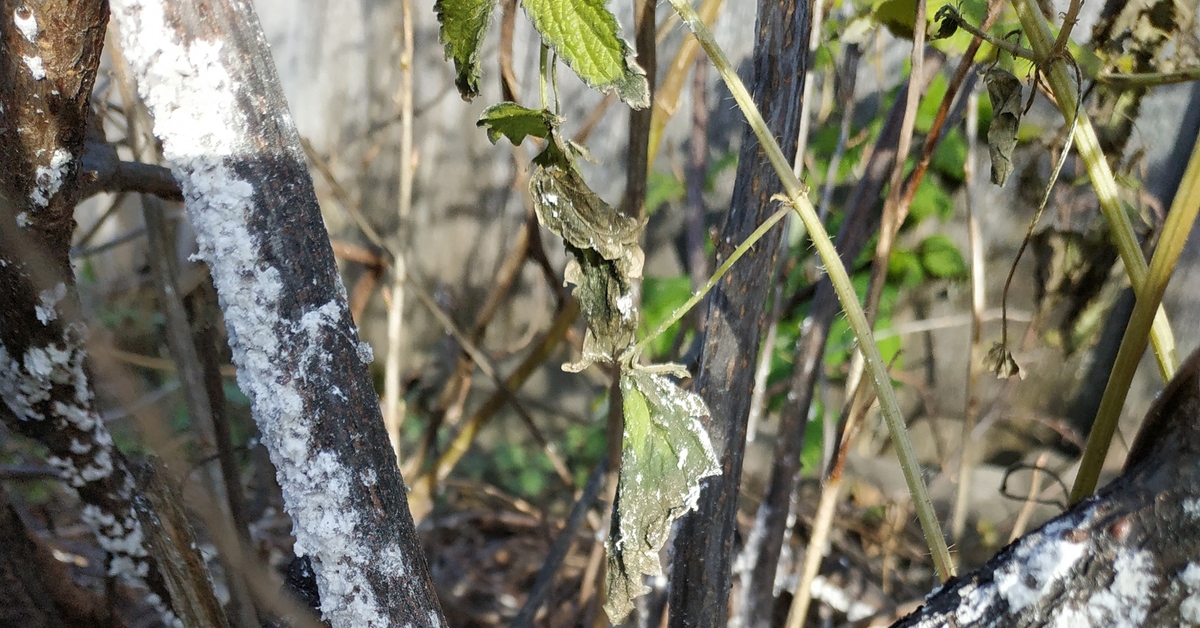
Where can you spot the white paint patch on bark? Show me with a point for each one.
(193, 100)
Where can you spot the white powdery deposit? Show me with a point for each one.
(192, 97)
(27, 25)
(48, 178)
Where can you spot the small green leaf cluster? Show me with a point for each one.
(583, 33)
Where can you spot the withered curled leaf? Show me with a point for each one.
(1004, 91)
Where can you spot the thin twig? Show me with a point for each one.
(975, 356)
(394, 407)
(558, 550)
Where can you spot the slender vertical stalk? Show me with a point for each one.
(841, 284)
(1180, 219)
(1065, 93)
(975, 243)
(394, 406)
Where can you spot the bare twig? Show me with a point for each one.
(394, 407)
(558, 551)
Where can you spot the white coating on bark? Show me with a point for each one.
(27, 25)
(1126, 601)
(48, 178)
(37, 69)
(192, 97)
(47, 307)
(1189, 580)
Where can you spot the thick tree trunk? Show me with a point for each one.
(49, 54)
(207, 77)
(1128, 556)
(700, 575)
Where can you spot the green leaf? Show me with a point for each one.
(930, 101)
(665, 454)
(1004, 92)
(931, 199)
(950, 155)
(663, 187)
(904, 267)
(899, 16)
(516, 122)
(941, 258)
(463, 25)
(660, 297)
(585, 34)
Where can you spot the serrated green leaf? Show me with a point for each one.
(1004, 92)
(463, 26)
(585, 34)
(941, 258)
(515, 122)
(665, 454)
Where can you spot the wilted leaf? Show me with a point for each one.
(516, 122)
(585, 34)
(604, 290)
(566, 206)
(666, 452)
(1004, 90)
(1000, 361)
(464, 24)
(947, 23)
(606, 257)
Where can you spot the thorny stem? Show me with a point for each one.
(1016, 50)
(841, 283)
(1103, 182)
(632, 354)
(1174, 235)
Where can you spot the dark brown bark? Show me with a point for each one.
(638, 166)
(861, 222)
(49, 55)
(700, 575)
(206, 74)
(1128, 556)
(168, 531)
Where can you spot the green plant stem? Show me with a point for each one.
(543, 63)
(1015, 50)
(1148, 79)
(1105, 185)
(842, 286)
(1133, 344)
(683, 309)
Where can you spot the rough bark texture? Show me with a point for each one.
(49, 54)
(1128, 556)
(700, 577)
(206, 75)
(862, 221)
